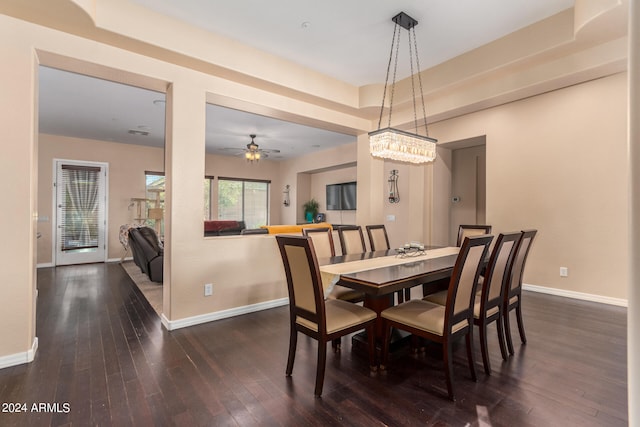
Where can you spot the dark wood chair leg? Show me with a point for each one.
(484, 348)
(293, 342)
(322, 362)
(471, 354)
(523, 337)
(448, 367)
(507, 331)
(503, 347)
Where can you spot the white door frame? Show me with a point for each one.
(54, 222)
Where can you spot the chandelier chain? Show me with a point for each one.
(395, 72)
(413, 85)
(386, 79)
(424, 109)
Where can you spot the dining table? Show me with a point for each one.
(380, 274)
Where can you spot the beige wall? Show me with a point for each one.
(557, 163)
(319, 182)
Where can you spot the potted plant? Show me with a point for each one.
(310, 209)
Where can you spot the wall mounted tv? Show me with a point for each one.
(342, 197)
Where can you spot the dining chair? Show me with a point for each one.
(444, 323)
(351, 239)
(379, 241)
(488, 306)
(310, 314)
(468, 230)
(513, 294)
(322, 238)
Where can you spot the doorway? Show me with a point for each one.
(80, 208)
(468, 187)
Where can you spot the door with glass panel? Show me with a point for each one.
(81, 204)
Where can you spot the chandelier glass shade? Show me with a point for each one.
(402, 146)
(252, 153)
(396, 144)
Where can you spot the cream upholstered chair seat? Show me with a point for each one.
(423, 315)
(439, 297)
(340, 315)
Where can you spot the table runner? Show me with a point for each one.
(331, 272)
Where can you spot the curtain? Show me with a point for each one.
(80, 207)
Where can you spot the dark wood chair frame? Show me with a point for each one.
(319, 317)
(461, 228)
(451, 318)
(344, 228)
(515, 288)
(307, 231)
(487, 303)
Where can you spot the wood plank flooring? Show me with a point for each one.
(103, 352)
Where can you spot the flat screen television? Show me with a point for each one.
(342, 197)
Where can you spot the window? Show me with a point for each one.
(155, 191)
(244, 200)
(208, 188)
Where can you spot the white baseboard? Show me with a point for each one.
(20, 358)
(576, 295)
(223, 314)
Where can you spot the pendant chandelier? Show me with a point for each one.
(395, 144)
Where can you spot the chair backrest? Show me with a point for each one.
(322, 241)
(378, 239)
(515, 285)
(498, 271)
(471, 230)
(304, 283)
(462, 287)
(351, 239)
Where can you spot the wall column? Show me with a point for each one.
(633, 317)
(18, 186)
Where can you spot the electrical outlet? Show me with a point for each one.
(208, 289)
(564, 272)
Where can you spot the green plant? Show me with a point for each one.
(311, 206)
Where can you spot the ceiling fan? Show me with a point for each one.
(253, 152)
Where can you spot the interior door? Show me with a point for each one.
(81, 205)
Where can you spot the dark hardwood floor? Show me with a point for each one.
(103, 352)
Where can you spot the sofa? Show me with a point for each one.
(223, 227)
(147, 252)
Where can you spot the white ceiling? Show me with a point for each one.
(321, 35)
